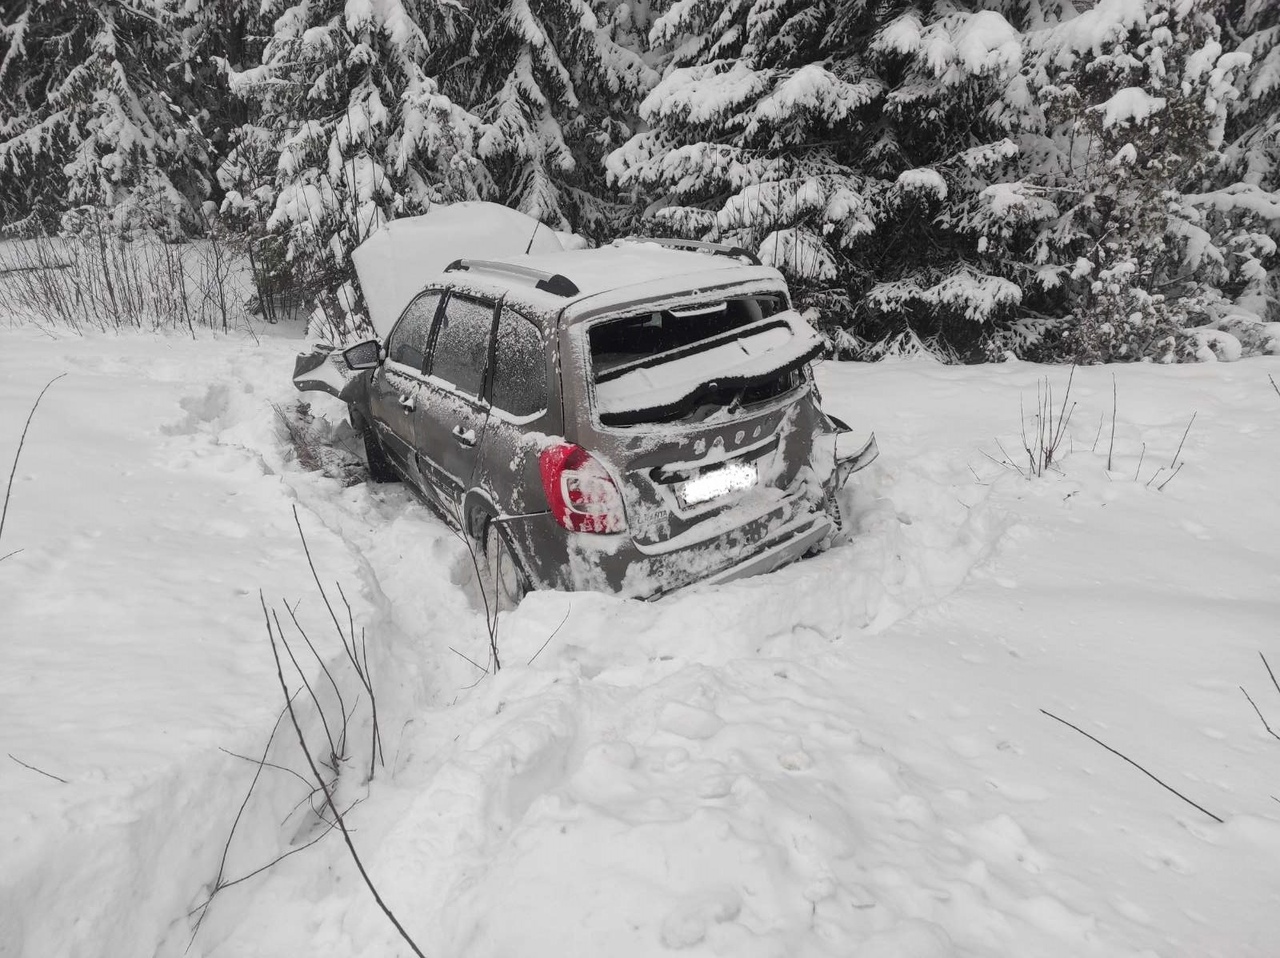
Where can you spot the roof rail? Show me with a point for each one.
(716, 249)
(553, 283)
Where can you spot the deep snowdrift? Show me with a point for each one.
(844, 757)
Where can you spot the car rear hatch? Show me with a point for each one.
(705, 410)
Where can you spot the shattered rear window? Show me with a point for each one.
(634, 339)
(685, 363)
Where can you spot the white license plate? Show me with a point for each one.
(714, 483)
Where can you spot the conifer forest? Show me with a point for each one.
(1060, 180)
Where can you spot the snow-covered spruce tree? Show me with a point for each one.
(352, 129)
(1120, 253)
(556, 85)
(1247, 183)
(846, 142)
(754, 133)
(96, 118)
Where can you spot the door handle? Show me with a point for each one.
(407, 402)
(464, 437)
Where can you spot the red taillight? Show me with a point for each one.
(582, 495)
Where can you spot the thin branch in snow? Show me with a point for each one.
(1269, 672)
(1134, 764)
(40, 770)
(1273, 384)
(254, 761)
(1097, 435)
(1160, 488)
(553, 634)
(1261, 717)
(334, 756)
(469, 659)
(328, 797)
(1174, 460)
(342, 707)
(218, 883)
(1142, 455)
(1008, 457)
(14, 471)
(1114, 400)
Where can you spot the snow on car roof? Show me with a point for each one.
(628, 270)
(396, 262)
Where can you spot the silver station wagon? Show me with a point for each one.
(630, 419)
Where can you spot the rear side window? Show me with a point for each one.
(461, 350)
(408, 342)
(520, 366)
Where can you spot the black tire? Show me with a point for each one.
(380, 468)
(503, 581)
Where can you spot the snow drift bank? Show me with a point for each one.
(846, 756)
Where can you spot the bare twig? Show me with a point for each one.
(1134, 764)
(1174, 460)
(254, 761)
(469, 659)
(21, 439)
(328, 797)
(1114, 401)
(348, 646)
(1011, 463)
(1261, 717)
(329, 826)
(218, 883)
(315, 575)
(342, 708)
(1160, 488)
(334, 757)
(1269, 672)
(1142, 455)
(40, 770)
(1273, 384)
(553, 634)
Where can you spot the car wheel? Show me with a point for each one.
(380, 468)
(503, 583)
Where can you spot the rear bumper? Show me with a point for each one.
(782, 552)
(606, 563)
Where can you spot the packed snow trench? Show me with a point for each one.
(845, 757)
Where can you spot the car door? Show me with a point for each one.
(395, 387)
(520, 417)
(452, 413)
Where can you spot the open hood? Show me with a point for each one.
(395, 263)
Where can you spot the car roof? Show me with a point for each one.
(609, 276)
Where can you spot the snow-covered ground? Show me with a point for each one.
(845, 757)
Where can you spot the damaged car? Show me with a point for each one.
(632, 419)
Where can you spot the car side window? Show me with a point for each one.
(520, 366)
(408, 343)
(461, 351)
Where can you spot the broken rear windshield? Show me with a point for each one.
(636, 339)
(685, 361)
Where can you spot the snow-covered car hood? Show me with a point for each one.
(397, 261)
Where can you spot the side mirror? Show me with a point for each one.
(364, 355)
